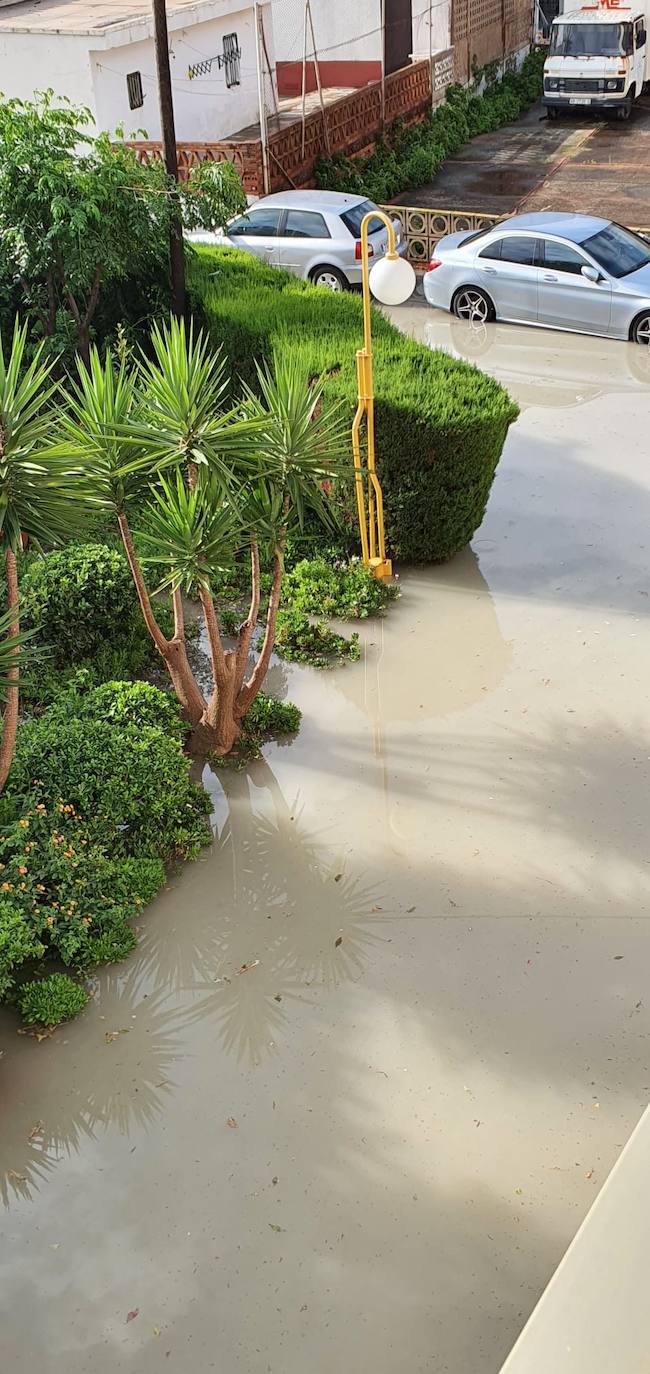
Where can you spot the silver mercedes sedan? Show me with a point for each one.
(573, 272)
(314, 234)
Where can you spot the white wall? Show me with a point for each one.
(205, 109)
(31, 62)
(440, 16)
(345, 30)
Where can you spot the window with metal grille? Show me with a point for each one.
(231, 59)
(134, 88)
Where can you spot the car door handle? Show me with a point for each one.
(489, 271)
(549, 276)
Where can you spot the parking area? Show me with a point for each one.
(577, 163)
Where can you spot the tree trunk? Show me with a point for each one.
(173, 651)
(10, 715)
(250, 689)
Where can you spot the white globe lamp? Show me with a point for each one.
(392, 280)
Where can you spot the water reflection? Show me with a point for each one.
(239, 939)
(540, 367)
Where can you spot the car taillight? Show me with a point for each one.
(358, 250)
(435, 262)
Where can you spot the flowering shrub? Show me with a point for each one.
(70, 897)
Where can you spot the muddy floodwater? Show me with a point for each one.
(379, 1047)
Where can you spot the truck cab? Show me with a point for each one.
(598, 59)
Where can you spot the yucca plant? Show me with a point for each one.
(221, 480)
(40, 489)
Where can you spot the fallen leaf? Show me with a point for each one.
(245, 967)
(377, 908)
(276, 1228)
(409, 909)
(618, 956)
(37, 1129)
(590, 1174)
(232, 1123)
(274, 1180)
(519, 1191)
(337, 877)
(338, 941)
(278, 997)
(156, 1330)
(135, 1312)
(18, 1178)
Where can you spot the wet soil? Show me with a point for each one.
(378, 1048)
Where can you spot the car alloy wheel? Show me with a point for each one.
(328, 278)
(472, 305)
(641, 330)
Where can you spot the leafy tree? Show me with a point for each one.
(39, 500)
(219, 481)
(79, 214)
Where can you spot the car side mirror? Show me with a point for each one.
(591, 273)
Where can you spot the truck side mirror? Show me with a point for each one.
(590, 273)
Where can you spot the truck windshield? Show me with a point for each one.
(617, 250)
(591, 40)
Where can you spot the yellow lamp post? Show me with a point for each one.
(391, 281)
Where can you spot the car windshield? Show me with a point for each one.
(591, 40)
(481, 233)
(353, 218)
(617, 250)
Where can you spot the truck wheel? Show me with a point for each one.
(624, 111)
(552, 113)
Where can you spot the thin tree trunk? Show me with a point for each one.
(247, 630)
(173, 651)
(10, 716)
(250, 689)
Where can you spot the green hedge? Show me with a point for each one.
(410, 157)
(440, 423)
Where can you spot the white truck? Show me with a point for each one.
(598, 58)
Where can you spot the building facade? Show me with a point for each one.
(100, 53)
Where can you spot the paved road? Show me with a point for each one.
(575, 164)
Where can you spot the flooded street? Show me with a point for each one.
(379, 1047)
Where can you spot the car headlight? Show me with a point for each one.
(613, 85)
(551, 85)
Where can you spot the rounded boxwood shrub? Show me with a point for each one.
(48, 1001)
(78, 597)
(440, 423)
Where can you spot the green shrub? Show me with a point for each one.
(120, 704)
(82, 603)
(345, 590)
(18, 943)
(131, 785)
(411, 157)
(48, 1001)
(73, 900)
(440, 423)
(301, 640)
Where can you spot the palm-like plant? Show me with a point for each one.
(221, 479)
(39, 499)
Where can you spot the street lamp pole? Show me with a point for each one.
(391, 280)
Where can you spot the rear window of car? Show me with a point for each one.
(353, 218)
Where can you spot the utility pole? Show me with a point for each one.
(176, 252)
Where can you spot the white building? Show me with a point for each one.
(100, 53)
(355, 41)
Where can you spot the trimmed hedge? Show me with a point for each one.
(410, 157)
(440, 423)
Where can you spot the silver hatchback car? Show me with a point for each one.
(316, 234)
(572, 272)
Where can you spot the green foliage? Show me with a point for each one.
(440, 423)
(268, 718)
(18, 943)
(345, 590)
(301, 640)
(74, 900)
(131, 784)
(77, 599)
(48, 1001)
(127, 703)
(411, 157)
(212, 195)
(76, 212)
